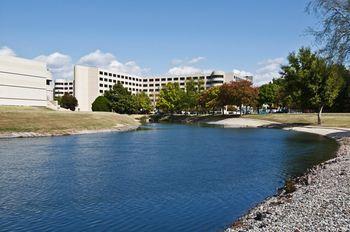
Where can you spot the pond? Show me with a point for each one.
(164, 177)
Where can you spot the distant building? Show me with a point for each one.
(24, 82)
(63, 86)
(89, 83)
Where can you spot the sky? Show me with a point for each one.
(156, 37)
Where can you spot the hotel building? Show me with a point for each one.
(63, 86)
(24, 82)
(91, 82)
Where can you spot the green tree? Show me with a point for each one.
(101, 103)
(170, 98)
(190, 97)
(310, 81)
(268, 94)
(143, 103)
(68, 102)
(121, 100)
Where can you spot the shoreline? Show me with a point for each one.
(321, 199)
(10, 135)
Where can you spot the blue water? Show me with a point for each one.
(162, 178)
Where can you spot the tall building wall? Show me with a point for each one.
(24, 82)
(93, 82)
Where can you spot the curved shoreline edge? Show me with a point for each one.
(321, 200)
(122, 128)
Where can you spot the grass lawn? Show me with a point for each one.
(328, 119)
(43, 120)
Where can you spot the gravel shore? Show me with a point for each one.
(320, 200)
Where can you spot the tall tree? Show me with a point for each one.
(311, 81)
(268, 94)
(170, 98)
(190, 97)
(208, 99)
(143, 103)
(121, 100)
(334, 36)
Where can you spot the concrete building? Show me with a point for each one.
(89, 83)
(63, 86)
(24, 82)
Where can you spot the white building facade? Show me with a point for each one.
(63, 86)
(24, 82)
(90, 82)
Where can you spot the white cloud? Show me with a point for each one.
(196, 60)
(6, 51)
(242, 73)
(59, 64)
(268, 70)
(109, 61)
(185, 66)
(183, 70)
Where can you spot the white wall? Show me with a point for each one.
(85, 86)
(23, 82)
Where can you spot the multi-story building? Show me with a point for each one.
(24, 82)
(63, 86)
(89, 83)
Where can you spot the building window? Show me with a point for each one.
(144, 80)
(110, 74)
(157, 79)
(101, 85)
(150, 79)
(101, 73)
(105, 79)
(163, 79)
(157, 84)
(114, 75)
(105, 73)
(145, 85)
(182, 78)
(151, 85)
(101, 79)
(176, 79)
(101, 91)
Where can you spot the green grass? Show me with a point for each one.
(42, 120)
(328, 119)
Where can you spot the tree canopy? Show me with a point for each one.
(334, 35)
(310, 81)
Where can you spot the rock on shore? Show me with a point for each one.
(321, 201)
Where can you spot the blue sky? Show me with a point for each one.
(156, 36)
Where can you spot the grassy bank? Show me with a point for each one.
(42, 120)
(328, 119)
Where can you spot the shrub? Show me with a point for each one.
(68, 102)
(101, 103)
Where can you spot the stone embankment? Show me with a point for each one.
(317, 201)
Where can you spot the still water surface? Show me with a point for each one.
(162, 178)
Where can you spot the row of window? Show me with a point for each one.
(152, 79)
(63, 88)
(59, 83)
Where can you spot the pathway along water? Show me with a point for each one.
(164, 177)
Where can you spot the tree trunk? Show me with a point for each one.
(319, 122)
(240, 110)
